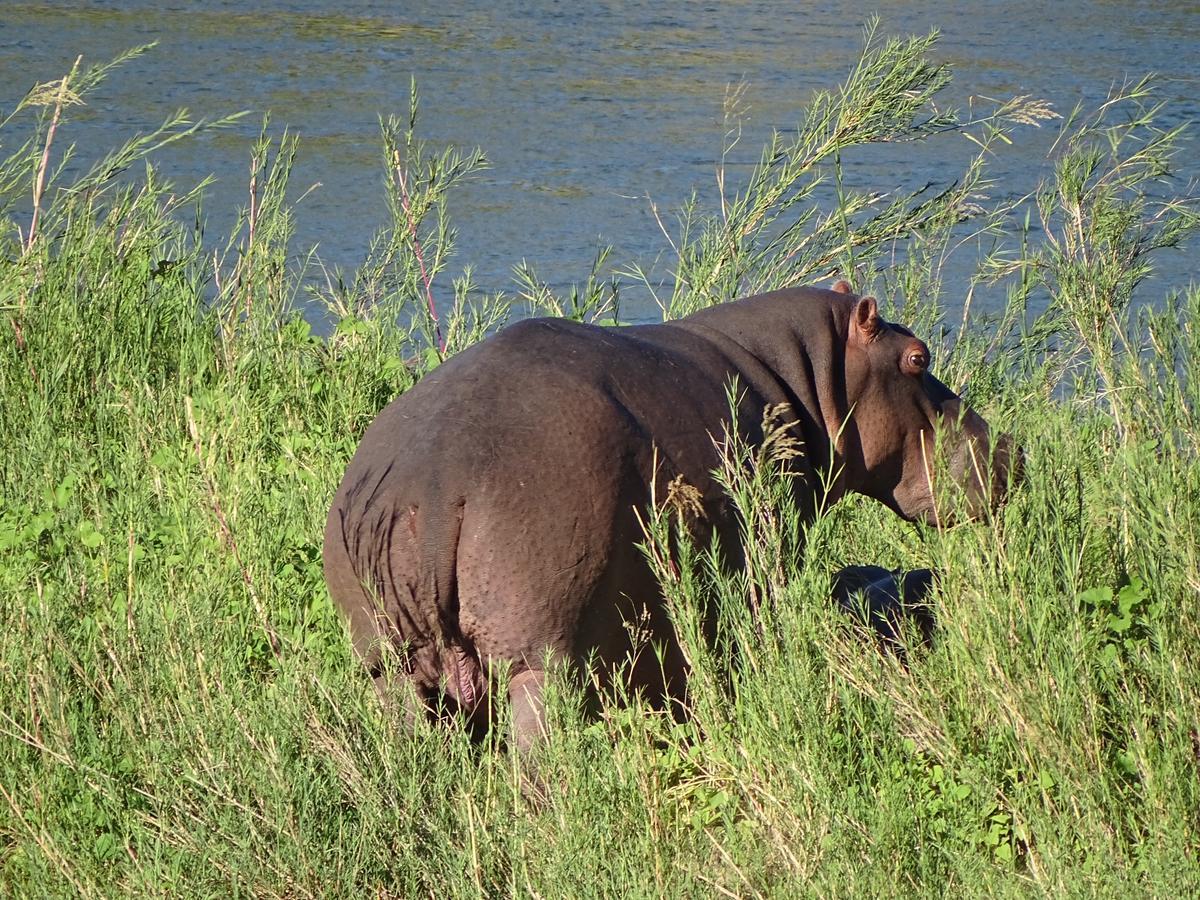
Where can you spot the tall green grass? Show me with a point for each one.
(180, 712)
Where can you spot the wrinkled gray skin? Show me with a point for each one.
(487, 520)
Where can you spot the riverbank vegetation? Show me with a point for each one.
(180, 712)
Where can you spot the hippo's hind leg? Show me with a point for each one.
(376, 641)
(526, 694)
(399, 698)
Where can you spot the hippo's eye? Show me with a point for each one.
(916, 361)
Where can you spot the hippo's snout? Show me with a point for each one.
(986, 469)
(1008, 466)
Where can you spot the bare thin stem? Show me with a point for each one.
(402, 180)
(39, 184)
(39, 188)
(251, 225)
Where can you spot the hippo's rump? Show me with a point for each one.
(478, 512)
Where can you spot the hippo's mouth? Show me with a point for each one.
(982, 474)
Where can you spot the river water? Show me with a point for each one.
(587, 112)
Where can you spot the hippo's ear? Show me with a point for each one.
(842, 286)
(864, 321)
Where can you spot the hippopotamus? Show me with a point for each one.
(883, 599)
(487, 528)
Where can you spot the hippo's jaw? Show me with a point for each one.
(970, 479)
(986, 471)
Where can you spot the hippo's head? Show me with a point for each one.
(908, 434)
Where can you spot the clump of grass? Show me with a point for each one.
(179, 708)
